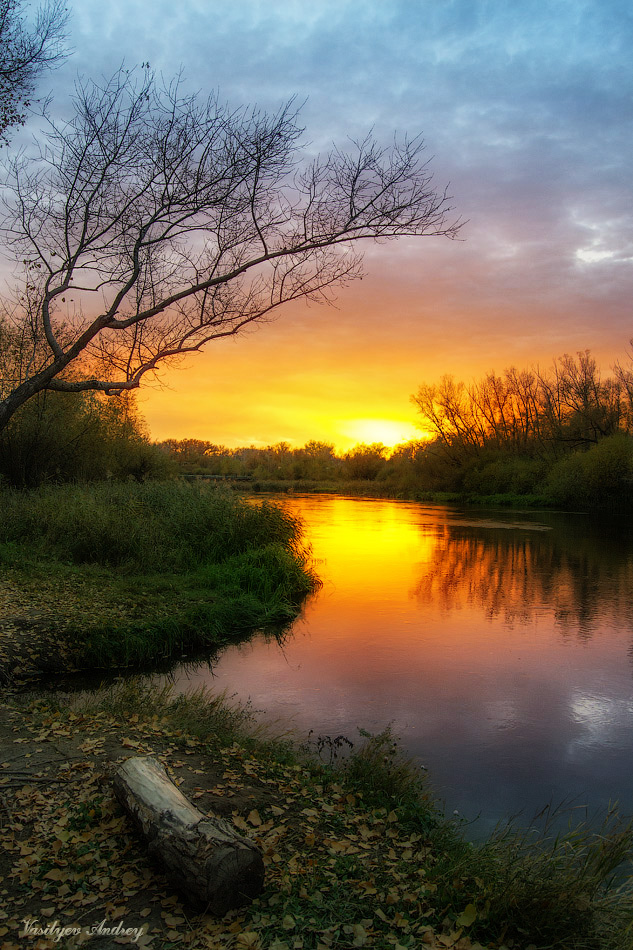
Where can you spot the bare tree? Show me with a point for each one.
(152, 223)
(25, 51)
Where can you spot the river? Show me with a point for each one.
(498, 645)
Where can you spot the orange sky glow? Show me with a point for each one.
(345, 374)
(525, 111)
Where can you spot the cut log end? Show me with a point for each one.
(204, 857)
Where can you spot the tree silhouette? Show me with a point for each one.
(24, 53)
(153, 222)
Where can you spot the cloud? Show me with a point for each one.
(526, 110)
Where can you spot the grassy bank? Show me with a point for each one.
(357, 854)
(379, 489)
(124, 575)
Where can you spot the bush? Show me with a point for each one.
(505, 474)
(150, 528)
(78, 437)
(601, 477)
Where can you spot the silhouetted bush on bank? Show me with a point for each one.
(60, 437)
(600, 477)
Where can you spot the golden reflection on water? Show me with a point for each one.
(371, 551)
(513, 577)
(497, 647)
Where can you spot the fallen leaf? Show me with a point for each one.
(467, 917)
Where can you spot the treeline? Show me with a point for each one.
(538, 413)
(564, 434)
(315, 461)
(81, 437)
(562, 437)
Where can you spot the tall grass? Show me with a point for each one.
(157, 570)
(541, 889)
(199, 611)
(148, 528)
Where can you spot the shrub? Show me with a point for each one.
(59, 437)
(600, 477)
(150, 528)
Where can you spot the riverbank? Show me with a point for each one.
(123, 576)
(376, 489)
(356, 854)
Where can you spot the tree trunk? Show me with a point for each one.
(205, 858)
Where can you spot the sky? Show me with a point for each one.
(526, 109)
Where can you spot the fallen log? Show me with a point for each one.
(212, 865)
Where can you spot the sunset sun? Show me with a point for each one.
(388, 431)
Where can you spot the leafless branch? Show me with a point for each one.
(152, 223)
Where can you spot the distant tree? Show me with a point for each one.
(25, 51)
(624, 377)
(365, 461)
(531, 412)
(151, 223)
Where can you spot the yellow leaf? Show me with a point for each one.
(288, 923)
(447, 941)
(467, 917)
(254, 818)
(248, 939)
(360, 935)
(55, 874)
(337, 846)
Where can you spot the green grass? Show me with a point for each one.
(181, 614)
(147, 528)
(137, 574)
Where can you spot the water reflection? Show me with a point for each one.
(513, 573)
(497, 647)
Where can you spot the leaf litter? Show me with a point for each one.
(337, 875)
